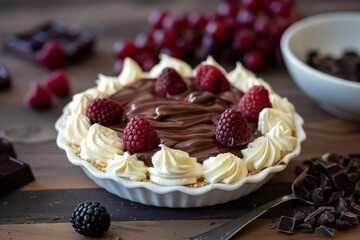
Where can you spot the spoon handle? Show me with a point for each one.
(229, 229)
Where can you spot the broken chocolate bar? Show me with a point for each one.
(6, 147)
(13, 174)
(75, 44)
(5, 79)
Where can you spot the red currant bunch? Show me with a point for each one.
(244, 30)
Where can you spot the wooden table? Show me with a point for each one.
(41, 209)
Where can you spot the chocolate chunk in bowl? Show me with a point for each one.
(136, 91)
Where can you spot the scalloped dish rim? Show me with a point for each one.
(258, 178)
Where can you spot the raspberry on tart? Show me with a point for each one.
(232, 129)
(104, 111)
(255, 100)
(139, 135)
(210, 78)
(169, 82)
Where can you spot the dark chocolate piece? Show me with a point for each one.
(335, 196)
(336, 173)
(325, 183)
(346, 67)
(6, 147)
(287, 224)
(5, 79)
(342, 225)
(75, 44)
(326, 218)
(341, 206)
(355, 208)
(324, 231)
(317, 212)
(317, 197)
(13, 174)
(299, 216)
(305, 227)
(349, 217)
(357, 189)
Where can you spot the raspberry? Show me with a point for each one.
(139, 135)
(90, 219)
(210, 78)
(255, 100)
(169, 82)
(38, 97)
(52, 56)
(232, 129)
(58, 83)
(104, 111)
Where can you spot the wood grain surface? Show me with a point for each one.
(40, 210)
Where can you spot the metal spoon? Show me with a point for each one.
(229, 229)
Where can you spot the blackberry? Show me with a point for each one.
(90, 219)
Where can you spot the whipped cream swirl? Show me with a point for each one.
(239, 74)
(130, 73)
(269, 117)
(107, 84)
(282, 104)
(100, 144)
(261, 153)
(282, 136)
(166, 61)
(127, 166)
(243, 79)
(174, 167)
(76, 128)
(224, 168)
(79, 103)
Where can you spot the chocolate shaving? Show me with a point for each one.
(317, 212)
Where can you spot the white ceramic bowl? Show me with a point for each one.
(330, 33)
(180, 196)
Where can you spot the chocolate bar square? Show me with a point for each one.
(13, 174)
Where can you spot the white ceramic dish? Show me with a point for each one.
(180, 196)
(330, 33)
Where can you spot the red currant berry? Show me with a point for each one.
(254, 60)
(245, 17)
(156, 18)
(217, 29)
(243, 40)
(124, 48)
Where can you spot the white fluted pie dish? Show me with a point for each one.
(180, 196)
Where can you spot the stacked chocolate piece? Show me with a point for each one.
(332, 183)
(13, 172)
(53, 44)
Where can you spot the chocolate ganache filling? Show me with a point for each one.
(185, 121)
